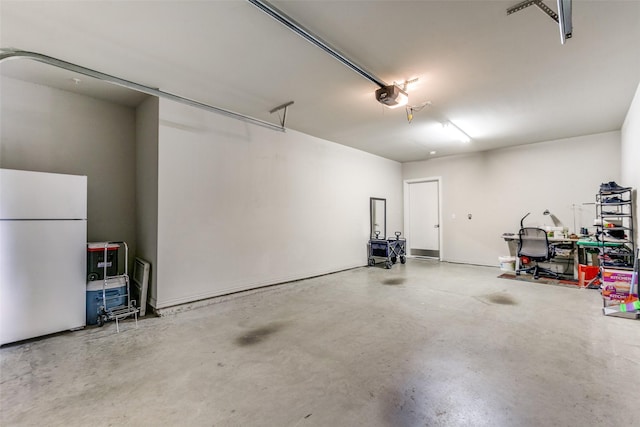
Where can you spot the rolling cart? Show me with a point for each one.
(390, 249)
(119, 306)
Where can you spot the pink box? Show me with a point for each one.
(616, 284)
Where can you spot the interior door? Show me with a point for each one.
(424, 221)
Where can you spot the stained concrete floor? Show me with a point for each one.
(421, 344)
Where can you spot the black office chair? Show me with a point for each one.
(534, 244)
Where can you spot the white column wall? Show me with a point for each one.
(147, 188)
(499, 187)
(241, 206)
(630, 170)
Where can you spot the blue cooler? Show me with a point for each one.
(115, 293)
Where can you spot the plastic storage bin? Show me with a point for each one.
(95, 260)
(115, 295)
(586, 273)
(507, 263)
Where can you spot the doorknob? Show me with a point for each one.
(436, 226)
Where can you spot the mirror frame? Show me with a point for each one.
(383, 232)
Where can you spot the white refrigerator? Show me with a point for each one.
(43, 238)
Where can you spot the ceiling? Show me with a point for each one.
(504, 80)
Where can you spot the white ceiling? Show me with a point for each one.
(505, 80)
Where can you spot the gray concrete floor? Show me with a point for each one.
(424, 343)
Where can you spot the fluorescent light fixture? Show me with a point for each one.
(392, 96)
(456, 132)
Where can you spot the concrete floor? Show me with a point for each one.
(425, 343)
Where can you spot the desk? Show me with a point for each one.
(511, 238)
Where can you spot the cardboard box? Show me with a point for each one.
(616, 284)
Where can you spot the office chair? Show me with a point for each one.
(534, 244)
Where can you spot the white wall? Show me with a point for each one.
(240, 206)
(232, 206)
(50, 130)
(147, 187)
(499, 187)
(630, 153)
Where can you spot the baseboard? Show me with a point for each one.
(189, 303)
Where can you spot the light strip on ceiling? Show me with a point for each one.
(456, 132)
(6, 54)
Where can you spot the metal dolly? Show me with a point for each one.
(120, 311)
(391, 249)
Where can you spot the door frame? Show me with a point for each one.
(407, 231)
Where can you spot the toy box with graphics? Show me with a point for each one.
(616, 284)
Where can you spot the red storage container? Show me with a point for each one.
(96, 260)
(586, 273)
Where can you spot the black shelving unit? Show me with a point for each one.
(614, 230)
